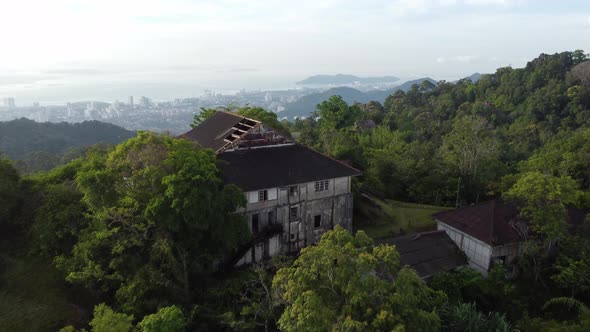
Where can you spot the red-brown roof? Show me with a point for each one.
(494, 222)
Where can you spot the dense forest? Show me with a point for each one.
(42, 146)
(133, 237)
(306, 104)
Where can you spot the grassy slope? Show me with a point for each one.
(386, 218)
(33, 294)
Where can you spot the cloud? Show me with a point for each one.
(24, 78)
(401, 8)
(464, 58)
(457, 59)
(76, 71)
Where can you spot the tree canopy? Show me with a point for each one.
(159, 216)
(346, 283)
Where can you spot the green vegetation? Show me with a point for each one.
(333, 286)
(134, 237)
(34, 296)
(257, 113)
(43, 146)
(386, 218)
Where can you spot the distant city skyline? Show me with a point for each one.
(66, 50)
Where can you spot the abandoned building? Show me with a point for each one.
(294, 194)
(490, 231)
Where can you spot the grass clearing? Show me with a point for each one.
(386, 218)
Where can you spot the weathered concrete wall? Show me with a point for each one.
(304, 214)
(508, 251)
(478, 252)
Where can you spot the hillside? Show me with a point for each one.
(21, 137)
(346, 79)
(473, 77)
(306, 105)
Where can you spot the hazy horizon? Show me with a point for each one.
(62, 50)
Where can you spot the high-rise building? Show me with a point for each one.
(131, 102)
(145, 102)
(69, 109)
(9, 102)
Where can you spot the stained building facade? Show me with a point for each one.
(294, 194)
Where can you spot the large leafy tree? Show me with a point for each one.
(573, 265)
(9, 191)
(160, 217)
(268, 118)
(469, 147)
(566, 154)
(346, 283)
(335, 113)
(544, 202)
(545, 199)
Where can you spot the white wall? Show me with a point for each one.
(341, 185)
(252, 196)
(478, 252)
(306, 191)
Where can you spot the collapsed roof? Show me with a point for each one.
(221, 130)
(257, 157)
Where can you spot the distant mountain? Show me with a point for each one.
(473, 77)
(21, 137)
(408, 85)
(307, 104)
(346, 79)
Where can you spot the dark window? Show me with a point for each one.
(271, 217)
(263, 195)
(255, 223)
(317, 221)
(294, 212)
(293, 190)
(292, 236)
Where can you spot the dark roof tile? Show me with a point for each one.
(428, 253)
(279, 166)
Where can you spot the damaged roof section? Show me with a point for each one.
(428, 253)
(221, 130)
(226, 131)
(254, 156)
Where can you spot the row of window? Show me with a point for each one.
(319, 186)
(317, 219)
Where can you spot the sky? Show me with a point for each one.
(68, 50)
